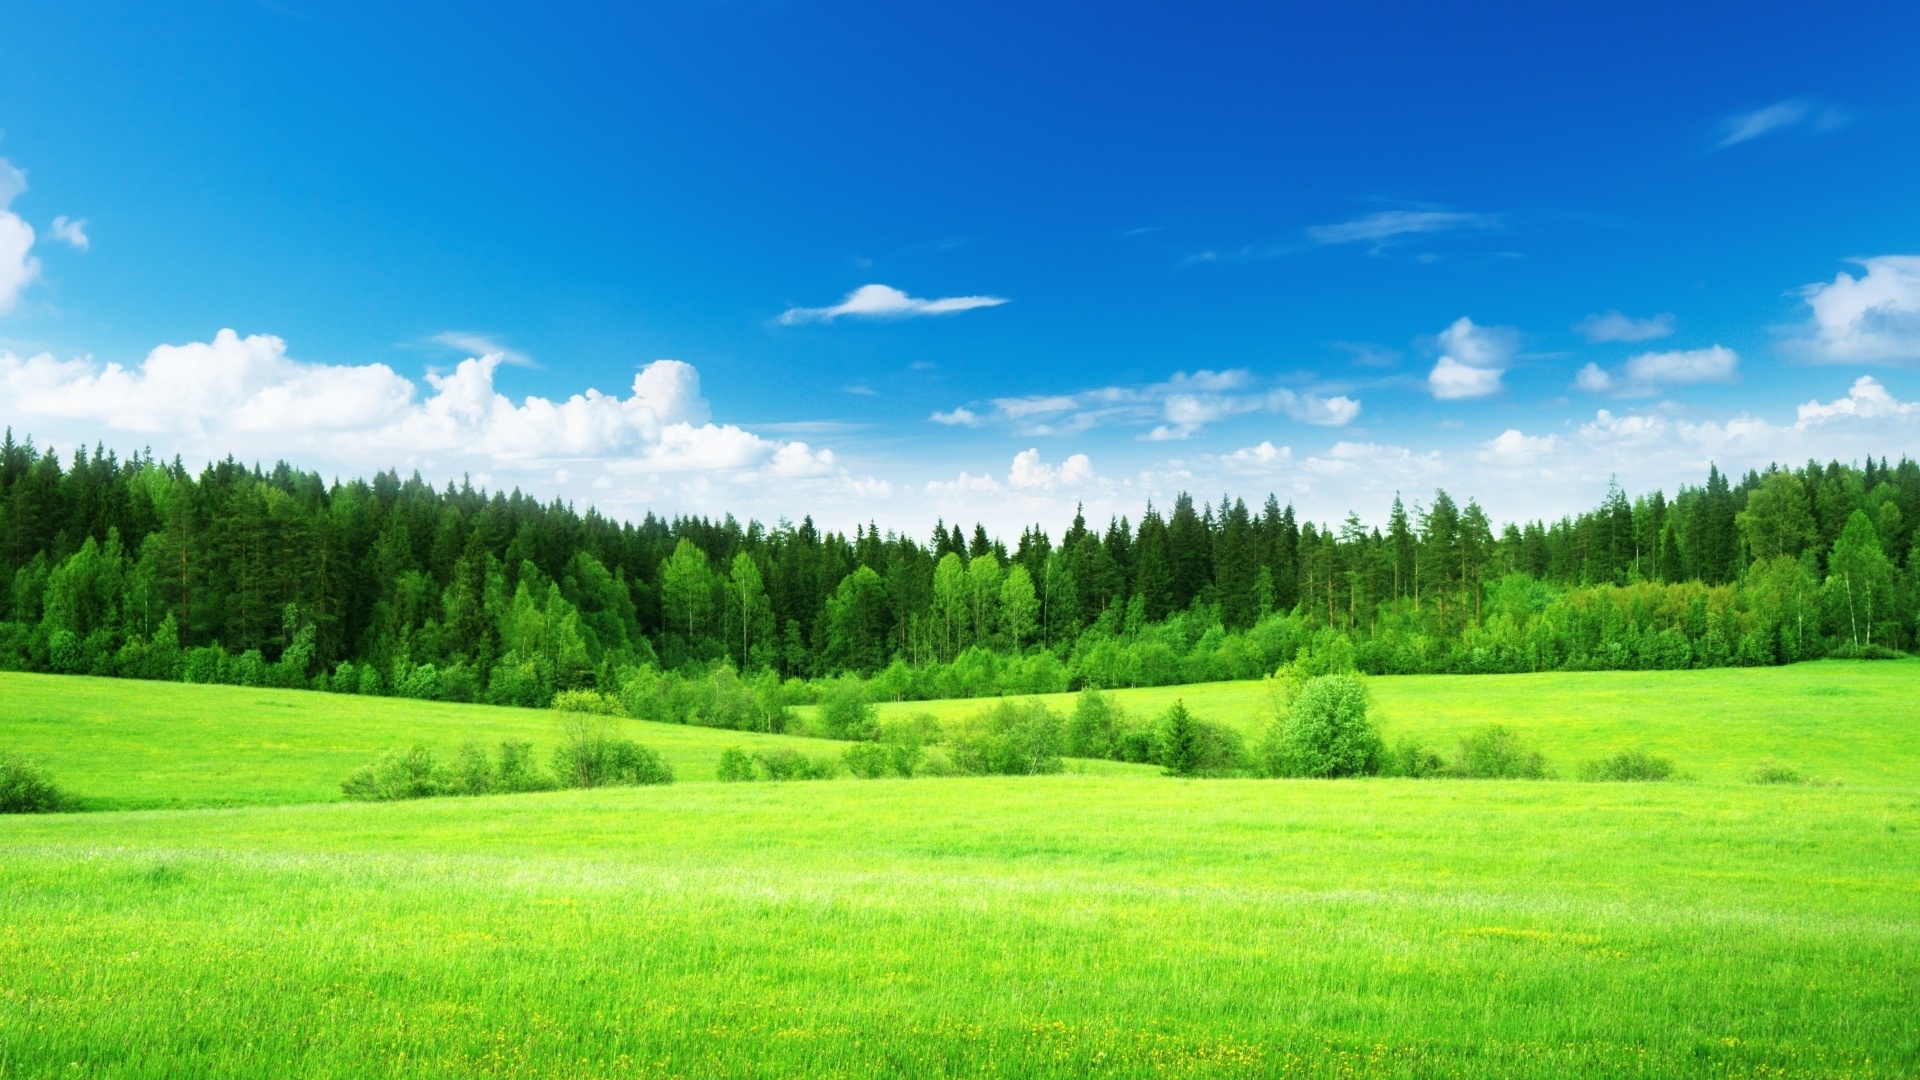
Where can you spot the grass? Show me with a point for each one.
(1105, 925)
(1851, 720)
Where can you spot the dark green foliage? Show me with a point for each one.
(1012, 738)
(25, 788)
(276, 578)
(1190, 746)
(1495, 752)
(1628, 765)
(1325, 732)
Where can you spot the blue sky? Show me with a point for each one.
(976, 261)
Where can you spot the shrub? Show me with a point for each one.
(1411, 758)
(588, 701)
(1013, 738)
(845, 712)
(1628, 765)
(1769, 771)
(896, 750)
(517, 770)
(735, 766)
(591, 755)
(393, 775)
(1096, 726)
(25, 788)
(1325, 732)
(1494, 752)
(786, 764)
(1190, 746)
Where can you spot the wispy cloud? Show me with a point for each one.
(1388, 226)
(886, 302)
(482, 345)
(1179, 408)
(1780, 116)
(71, 231)
(1613, 326)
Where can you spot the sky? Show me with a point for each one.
(980, 262)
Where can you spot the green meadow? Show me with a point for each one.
(1094, 923)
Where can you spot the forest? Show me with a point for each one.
(136, 567)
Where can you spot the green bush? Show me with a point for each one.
(588, 701)
(394, 775)
(1325, 731)
(1096, 727)
(735, 766)
(1012, 738)
(1628, 765)
(1411, 758)
(785, 764)
(1769, 771)
(591, 755)
(845, 712)
(25, 788)
(1494, 752)
(1190, 746)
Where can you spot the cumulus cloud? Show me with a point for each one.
(1383, 228)
(1649, 373)
(245, 395)
(1030, 481)
(886, 302)
(70, 231)
(1176, 409)
(1514, 448)
(1613, 326)
(1780, 116)
(1874, 318)
(18, 267)
(1472, 360)
(1866, 400)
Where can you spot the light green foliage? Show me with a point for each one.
(1769, 771)
(1860, 582)
(1019, 607)
(735, 765)
(1325, 732)
(1497, 752)
(844, 711)
(1009, 738)
(588, 701)
(592, 753)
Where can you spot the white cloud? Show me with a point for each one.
(1872, 318)
(245, 395)
(1613, 326)
(1514, 448)
(1472, 360)
(1030, 473)
(1386, 226)
(956, 418)
(1866, 400)
(1648, 373)
(1780, 116)
(1262, 458)
(72, 231)
(18, 267)
(1336, 411)
(886, 302)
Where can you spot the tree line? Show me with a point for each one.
(139, 567)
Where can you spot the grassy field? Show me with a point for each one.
(1858, 722)
(1105, 925)
(120, 745)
